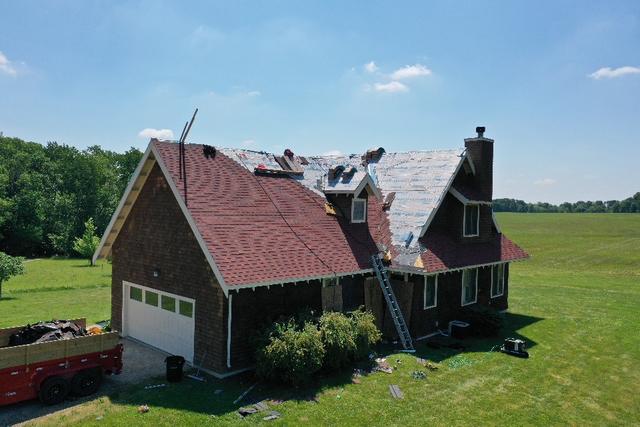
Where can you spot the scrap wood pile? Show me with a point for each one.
(49, 331)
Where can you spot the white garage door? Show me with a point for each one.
(160, 319)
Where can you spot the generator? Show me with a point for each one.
(514, 347)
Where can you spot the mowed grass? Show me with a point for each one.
(57, 288)
(576, 302)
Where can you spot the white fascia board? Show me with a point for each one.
(432, 215)
(412, 270)
(368, 180)
(458, 195)
(191, 221)
(123, 200)
(294, 280)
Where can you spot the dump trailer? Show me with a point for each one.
(52, 370)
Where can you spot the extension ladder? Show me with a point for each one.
(392, 303)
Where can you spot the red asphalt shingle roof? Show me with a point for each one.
(269, 229)
(254, 242)
(443, 253)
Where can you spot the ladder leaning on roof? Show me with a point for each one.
(392, 303)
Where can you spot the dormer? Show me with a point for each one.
(348, 188)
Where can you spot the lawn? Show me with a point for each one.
(576, 303)
(57, 288)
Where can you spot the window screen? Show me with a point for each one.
(497, 280)
(471, 213)
(469, 286)
(359, 210)
(430, 291)
(135, 293)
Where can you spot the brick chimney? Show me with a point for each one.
(480, 151)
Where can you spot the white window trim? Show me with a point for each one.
(435, 298)
(502, 287)
(353, 204)
(464, 221)
(475, 299)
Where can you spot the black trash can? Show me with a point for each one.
(174, 368)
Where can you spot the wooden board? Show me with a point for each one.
(40, 352)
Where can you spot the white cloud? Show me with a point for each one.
(545, 182)
(610, 73)
(391, 87)
(248, 143)
(161, 134)
(332, 153)
(410, 71)
(370, 67)
(204, 36)
(6, 66)
(254, 93)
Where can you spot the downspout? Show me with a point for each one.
(229, 331)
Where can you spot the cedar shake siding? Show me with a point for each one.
(157, 235)
(256, 308)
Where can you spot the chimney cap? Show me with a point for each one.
(480, 131)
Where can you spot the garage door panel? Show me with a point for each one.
(156, 326)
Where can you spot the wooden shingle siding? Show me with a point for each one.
(157, 236)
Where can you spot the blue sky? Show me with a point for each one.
(557, 84)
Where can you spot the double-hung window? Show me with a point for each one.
(497, 280)
(430, 291)
(469, 286)
(359, 210)
(471, 220)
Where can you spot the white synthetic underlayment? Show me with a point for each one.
(419, 179)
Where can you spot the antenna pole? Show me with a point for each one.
(184, 164)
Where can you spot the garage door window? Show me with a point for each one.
(186, 308)
(168, 303)
(135, 293)
(151, 298)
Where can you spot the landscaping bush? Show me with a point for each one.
(366, 332)
(485, 321)
(339, 339)
(292, 355)
(292, 350)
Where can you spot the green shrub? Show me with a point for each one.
(484, 321)
(366, 333)
(339, 339)
(292, 355)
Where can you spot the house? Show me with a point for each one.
(209, 244)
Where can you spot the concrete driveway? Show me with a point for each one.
(140, 363)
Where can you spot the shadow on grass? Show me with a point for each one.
(440, 348)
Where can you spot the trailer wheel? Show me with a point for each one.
(53, 390)
(86, 382)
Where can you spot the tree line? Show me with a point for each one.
(628, 205)
(48, 193)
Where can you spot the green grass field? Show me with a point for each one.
(577, 303)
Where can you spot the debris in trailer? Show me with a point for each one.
(45, 332)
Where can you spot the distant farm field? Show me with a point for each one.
(576, 302)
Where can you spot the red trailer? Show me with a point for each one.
(52, 370)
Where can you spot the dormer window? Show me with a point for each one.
(471, 220)
(358, 210)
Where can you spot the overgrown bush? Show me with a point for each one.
(484, 321)
(339, 339)
(366, 333)
(293, 354)
(294, 349)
